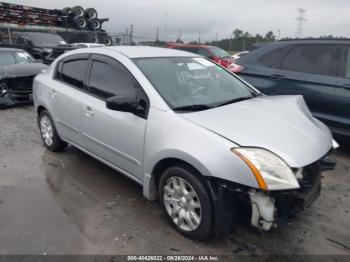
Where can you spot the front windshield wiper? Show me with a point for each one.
(198, 107)
(235, 100)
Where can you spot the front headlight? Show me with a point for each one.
(48, 50)
(270, 171)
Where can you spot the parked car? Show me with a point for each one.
(87, 45)
(212, 52)
(239, 55)
(17, 71)
(317, 69)
(45, 47)
(191, 133)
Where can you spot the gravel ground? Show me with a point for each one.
(69, 203)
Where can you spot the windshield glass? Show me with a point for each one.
(7, 58)
(218, 52)
(193, 82)
(23, 58)
(47, 39)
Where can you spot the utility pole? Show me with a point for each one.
(127, 39)
(199, 36)
(279, 34)
(216, 38)
(131, 32)
(180, 34)
(157, 34)
(301, 19)
(165, 26)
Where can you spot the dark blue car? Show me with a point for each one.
(317, 69)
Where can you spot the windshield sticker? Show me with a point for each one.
(194, 66)
(203, 61)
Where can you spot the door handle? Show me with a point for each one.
(346, 86)
(277, 76)
(88, 111)
(53, 93)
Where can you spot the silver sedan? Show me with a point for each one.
(205, 143)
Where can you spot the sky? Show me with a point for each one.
(214, 17)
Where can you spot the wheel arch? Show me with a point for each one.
(151, 178)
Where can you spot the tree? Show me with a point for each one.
(237, 33)
(270, 36)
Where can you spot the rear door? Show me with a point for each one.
(116, 137)
(308, 70)
(342, 95)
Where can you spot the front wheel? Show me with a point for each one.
(186, 202)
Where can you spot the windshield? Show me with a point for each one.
(23, 58)
(195, 83)
(47, 39)
(7, 58)
(218, 52)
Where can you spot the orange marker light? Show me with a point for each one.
(256, 172)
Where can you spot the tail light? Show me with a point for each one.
(234, 68)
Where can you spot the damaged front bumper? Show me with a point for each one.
(16, 83)
(267, 209)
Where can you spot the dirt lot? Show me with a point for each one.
(69, 203)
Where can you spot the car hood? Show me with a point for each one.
(281, 124)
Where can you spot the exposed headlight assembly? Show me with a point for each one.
(48, 50)
(270, 171)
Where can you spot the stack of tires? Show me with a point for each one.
(83, 19)
(87, 19)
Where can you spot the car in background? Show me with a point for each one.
(45, 47)
(214, 53)
(239, 55)
(192, 134)
(17, 70)
(87, 45)
(318, 69)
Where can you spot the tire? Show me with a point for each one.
(95, 24)
(80, 22)
(45, 123)
(78, 10)
(107, 41)
(91, 13)
(66, 10)
(193, 218)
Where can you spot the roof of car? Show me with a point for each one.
(147, 51)
(8, 49)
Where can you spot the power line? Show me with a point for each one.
(300, 26)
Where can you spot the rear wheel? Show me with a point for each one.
(186, 202)
(49, 133)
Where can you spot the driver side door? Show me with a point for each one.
(117, 138)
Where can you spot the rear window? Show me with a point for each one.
(309, 59)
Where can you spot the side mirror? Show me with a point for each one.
(123, 103)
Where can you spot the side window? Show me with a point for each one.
(273, 59)
(73, 72)
(204, 52)
(108, 80)
(345, 65)
(20, 40)
(309, 59)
